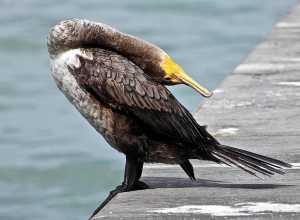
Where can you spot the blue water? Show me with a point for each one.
(53, 165)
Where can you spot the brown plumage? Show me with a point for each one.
(116, 81)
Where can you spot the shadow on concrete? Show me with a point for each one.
(173, 182)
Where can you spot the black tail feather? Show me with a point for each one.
(259, 164)
(269, 160)
(188, 169)
(228, 160)
(248, 161)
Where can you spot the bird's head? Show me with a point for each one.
(174, 74)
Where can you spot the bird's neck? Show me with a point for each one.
(72, 34)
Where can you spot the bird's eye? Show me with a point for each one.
(167, 78)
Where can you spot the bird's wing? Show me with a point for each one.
(123, 85)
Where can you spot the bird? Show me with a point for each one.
(118, 84)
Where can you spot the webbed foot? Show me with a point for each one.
(133, 172)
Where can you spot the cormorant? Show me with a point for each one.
(117, 82)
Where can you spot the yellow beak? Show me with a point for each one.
(176, 75)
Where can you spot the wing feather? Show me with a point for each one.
(118, 81)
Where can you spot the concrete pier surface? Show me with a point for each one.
(256, 108)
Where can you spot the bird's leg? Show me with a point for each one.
(138, 185)
(133, 172)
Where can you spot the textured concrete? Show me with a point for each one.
(256, 108)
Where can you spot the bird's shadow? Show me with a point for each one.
(175, 182)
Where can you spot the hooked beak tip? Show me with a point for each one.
(208, 95)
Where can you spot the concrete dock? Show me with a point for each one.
(256, 108)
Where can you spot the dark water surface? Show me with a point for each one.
(53, 165)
